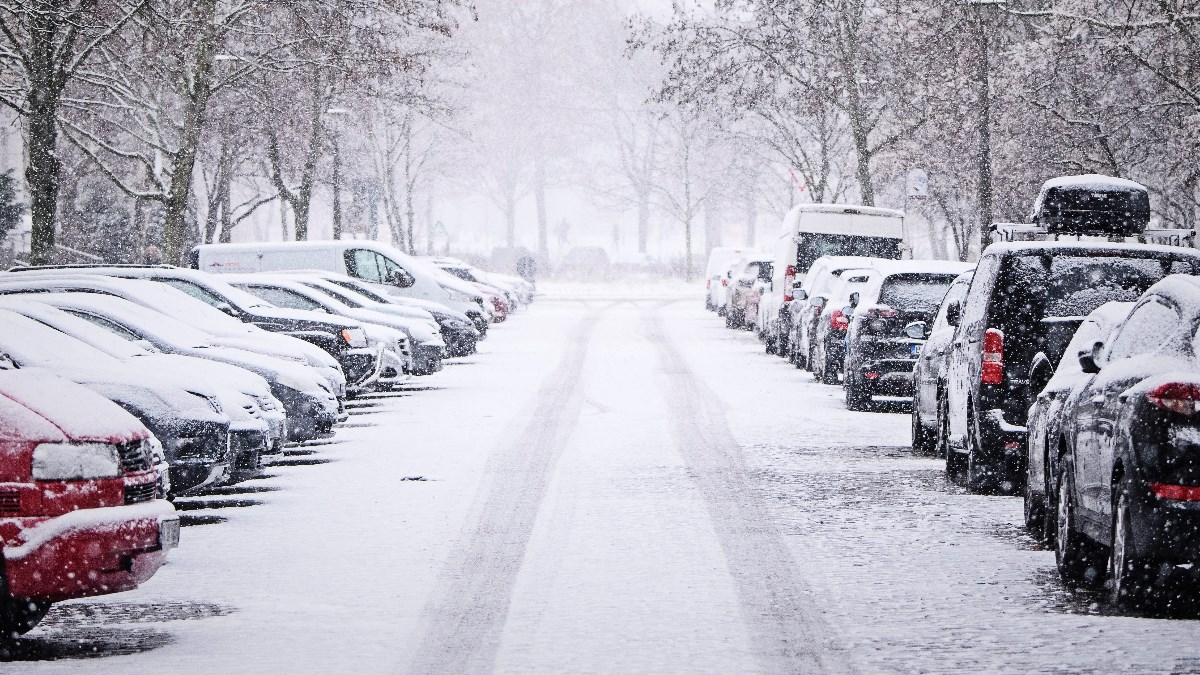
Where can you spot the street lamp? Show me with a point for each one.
(984, 157)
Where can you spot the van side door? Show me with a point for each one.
(963, 364)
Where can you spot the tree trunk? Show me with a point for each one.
(751, 214)
(643, 218)
(42, 173)
(337, 189)
(985, 139)
(194, 118)
(539, 195)
(510, 221)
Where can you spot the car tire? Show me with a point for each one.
(829, 369)
(1132, 581)
(1075, 557)
(923, 442)
(980, 477)
(769, 342)
(1034, 512)
(782, 344)
(17, 616)
(856, 399)
(941, 438)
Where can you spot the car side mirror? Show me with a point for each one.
(1089, 360)
(854, 298)
(848, 310)
(917, 330)
(954, 313)
(800, 294)
(399, 278)
(817, 301)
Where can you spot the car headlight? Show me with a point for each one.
(355, 337)
(75, 461)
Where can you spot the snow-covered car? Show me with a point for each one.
(457, 329)
(225, 330)
(420, 340)
(1018, 296)
(928, 373)
(191, 427)
(749, 275)
(82, 514)
(516, 290)
(258, 424)
(796, 322)
(1128, 482)
(1046, 421)
(881, 345)
(343, 339)
(717, 273)
(827, 344)
(310, 407)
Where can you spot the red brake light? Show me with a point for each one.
(790, 271)
(838, 320)
(1177, 397)
(725, 282)
(1183, 493)
(708, 284)
(788, 297)
(993, 357)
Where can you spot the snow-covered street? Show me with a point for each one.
(614, 483)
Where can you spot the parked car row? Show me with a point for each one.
(1068, 372)
(122, 387)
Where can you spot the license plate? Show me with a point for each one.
(168, 534)
(915, 349)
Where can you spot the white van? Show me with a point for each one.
(811, 231)
(376, 263)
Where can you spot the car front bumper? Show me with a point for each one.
(90, 551)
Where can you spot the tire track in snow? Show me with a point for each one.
(784, 621)
(465, 617)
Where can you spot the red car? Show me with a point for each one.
(80, 510)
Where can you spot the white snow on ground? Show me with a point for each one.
(614, 483)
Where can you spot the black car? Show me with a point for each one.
(1129, 480)
(1047, 419)
(341, 338)
(881, 345)
(1013, 312)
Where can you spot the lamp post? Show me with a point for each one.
(984, 156)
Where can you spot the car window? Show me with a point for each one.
(915, 293)
(1150, 328)
(365, 265)
(282, 297)
(978, 298)
(343, 298)
(957, 292)
(112, 326)
(196, 291)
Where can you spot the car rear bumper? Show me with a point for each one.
(90, 552)
(888, 377)
(1003, 444)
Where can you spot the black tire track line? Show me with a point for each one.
(465, 617)
(785, 623)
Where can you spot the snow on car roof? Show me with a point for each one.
(1095, 328)
(850, 208)
(1092, 181)
(80, 413)
(947, 267)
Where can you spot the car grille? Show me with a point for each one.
(144, 492)
(10, 501)
(135, 456)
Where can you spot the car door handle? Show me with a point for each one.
(1098, 400)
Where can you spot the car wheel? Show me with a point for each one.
(922, 441)
(770, 342)
(1034, 511)
(17, 616)
(856, 398)
(829, 368)
(980, 476)
(782, 343)
(1132, 581)
(1075, 557)
(941, 439)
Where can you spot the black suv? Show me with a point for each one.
(889, 326)
(1015, 310)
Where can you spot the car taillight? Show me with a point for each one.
(708, 284)
(1177, 397)
(992, 371)
(789, 282)
(790, 271)
(725, 282)
(1182, 493)
(838, 320)
(882, 312)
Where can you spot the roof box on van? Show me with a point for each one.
(1092, 204)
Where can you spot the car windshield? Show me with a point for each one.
(915, 292)
(156, 326)
(283, 297)
(32, 343)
